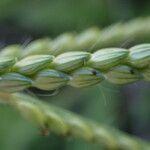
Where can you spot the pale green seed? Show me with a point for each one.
(139, 55)
(12, 51)
(55, 122)
(123, 75)
(32, 64)
(84, 77)
(40, 46)
(86, 39)
(77, 126)
(104, 135)
(50, 79)
(104, 59)
(111, 36)
(70, 61)
(6, 63)
(14, 82)
(62, 44)
(31, 112)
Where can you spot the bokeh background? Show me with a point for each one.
(125, 107)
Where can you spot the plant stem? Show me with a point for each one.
(65, 123)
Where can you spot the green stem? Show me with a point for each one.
(65, 123)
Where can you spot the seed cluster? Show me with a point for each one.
(92, 39)
(76, 68)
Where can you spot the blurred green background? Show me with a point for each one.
(126, 107)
